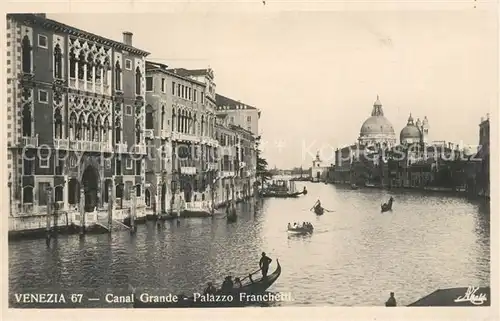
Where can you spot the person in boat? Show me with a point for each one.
(391, 302)
(227, 285)
(289, 226)
(210, 289)
(264, 264)
(238, 283)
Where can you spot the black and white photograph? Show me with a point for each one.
(264, 158)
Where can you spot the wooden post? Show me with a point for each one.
(110, 207)
(49, 213)
(82, 211)
(133, 227)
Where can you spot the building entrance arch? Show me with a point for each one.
(90, 183)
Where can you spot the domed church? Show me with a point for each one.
(414, 132)
(377, 130)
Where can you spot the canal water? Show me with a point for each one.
(355, 256)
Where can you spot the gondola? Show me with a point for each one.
(387, 206)
(258, 286)
(319, 210)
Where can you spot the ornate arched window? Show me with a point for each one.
(27, 120)
(104, 129)
(138, 77)
(174, 121)
(58, 132)
(105, 70)
(97, 129)
(26, 52)
(72, 64)
(80, 134)
(57, 62)
(118, 76)
(81, 65)
(90, 65)
(72, 126)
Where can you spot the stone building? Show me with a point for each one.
(318, 171)
(76, 113)
(180, 119)
(239, 114)
(228, 161)
(483, 171)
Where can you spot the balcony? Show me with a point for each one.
(121, 148)
(227, 174)
(61, 143)
(139, 149)
(188, 170)
(149, 133)
(30, 141)
(165, 134)
(185, 137)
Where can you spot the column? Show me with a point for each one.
(82, 211)
(110, 207)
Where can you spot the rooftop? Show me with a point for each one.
(56, 26)
(224, 102)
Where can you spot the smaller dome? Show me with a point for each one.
(410, 134)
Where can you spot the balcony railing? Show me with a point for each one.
(188, 170)
(149, 133)
(185, 137)
(121, 148)
(209, 141)
(140, 149)
(82, 145)
(30, 141)
(224, 174)
(165, 133)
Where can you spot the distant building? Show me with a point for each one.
(483, 172)
(239, 114)
(317, 170)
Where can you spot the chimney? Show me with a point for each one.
(127, 38)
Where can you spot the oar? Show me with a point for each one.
(328, 210)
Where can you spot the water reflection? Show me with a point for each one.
(355, 256)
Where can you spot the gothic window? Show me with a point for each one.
(27, 120)
(118, 76)
(119, 191)
(162, 117)
(72, 126)
(174, 122)
(98, 68)
(26, 50)
(118, 132)
(105, 70)
(97, 130)
(80, 135)
(72, 64)
(138, 132)
(90, 128)
(105, 128)
(57, 62)
(81, 65)
(58, 124)
(138, 190)
(149, 117)
(27, 195)
(138, 81)
(90, 64)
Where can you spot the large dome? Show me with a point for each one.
(376, 125)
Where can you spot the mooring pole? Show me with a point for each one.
(49, 213)
(110, 207)
(82, 211)
(133, 227)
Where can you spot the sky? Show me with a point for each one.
(315, 75)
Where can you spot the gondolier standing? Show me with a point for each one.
(264, 264)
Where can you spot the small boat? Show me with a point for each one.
(300, 230)
(387, 206)
(319, 210)
(249, 287)
(354, 186)
(304, 191)
(454, 297)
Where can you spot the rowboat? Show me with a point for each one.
(249, 287)
(387, 206)
(300, 230)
